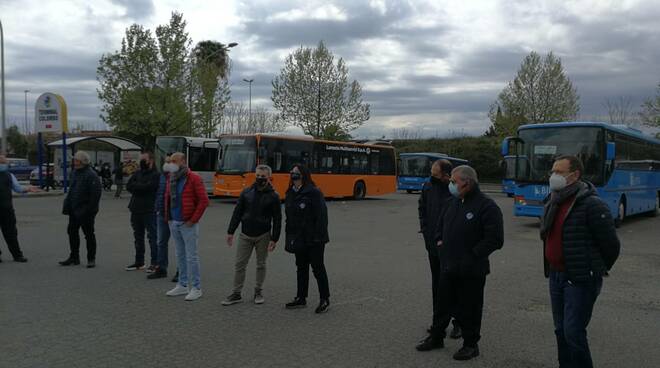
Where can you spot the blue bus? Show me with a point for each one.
(623, 164)
(509, 175)
(415, 169)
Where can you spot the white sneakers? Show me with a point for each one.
(192, 294)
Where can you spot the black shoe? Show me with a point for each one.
(159, 274)
(296, 303)
(135, 267)
(456, 332)
(430, 342)
(20, 259)
(176, 277)
(323, 307)
(232, 299)
(467, 353)
(91, 264)
(70, 261)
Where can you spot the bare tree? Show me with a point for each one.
(620, 111)
(236, 120)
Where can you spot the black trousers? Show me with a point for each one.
(87, 226)
(9, 231)
(464, 296)
(434, 262)
(313, 256)
(144, 223)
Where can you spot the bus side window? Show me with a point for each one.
(374, 163)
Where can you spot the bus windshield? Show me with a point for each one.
(419, 166)
(541, 146)
(168, 145)
(237, 155)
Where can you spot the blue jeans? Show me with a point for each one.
(163, 230)
(185, 240)
(572, 305)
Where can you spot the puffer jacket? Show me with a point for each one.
(194, 198)
(84, 194)
(306, 217)
(589, 240)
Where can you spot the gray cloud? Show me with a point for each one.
(137, 9)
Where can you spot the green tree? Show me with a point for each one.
(650, 114)
(144, 85)
(540, 93)
(17, 142)
(211, 69)
(313, 92)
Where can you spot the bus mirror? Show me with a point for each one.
(611, 151)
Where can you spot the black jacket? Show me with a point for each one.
(590, 243)
(432, 203)
(306, 217)
(143, 185)
(255, 211)
(470, 229)
(84, 194)
(5, 191)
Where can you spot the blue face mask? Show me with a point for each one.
(453, 189)
(4, 167)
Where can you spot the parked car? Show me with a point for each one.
(20, 167)
(47, 172)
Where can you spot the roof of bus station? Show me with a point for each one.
(123, 144)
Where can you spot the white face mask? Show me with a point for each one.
(170, 167)
(557, 182)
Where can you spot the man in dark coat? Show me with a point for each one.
(81, 205)
(259, 212)
(468, 232)
(8, 183)
(432, 202)
(143, 186)
(579, 246)
(119, 179)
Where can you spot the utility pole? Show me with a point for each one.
(27, 127)
(2, 77)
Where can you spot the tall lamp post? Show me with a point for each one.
(250, 100)
(2, 77)
(27, 127)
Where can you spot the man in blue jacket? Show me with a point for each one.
(162, 228)
(8, 183)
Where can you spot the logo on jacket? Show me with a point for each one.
(469, 216)
(302, 206)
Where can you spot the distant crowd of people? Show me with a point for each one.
(461, 227)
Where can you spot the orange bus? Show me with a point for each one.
(340, 169)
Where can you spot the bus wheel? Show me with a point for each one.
(359, 190)
(621, 213)
(656, 210)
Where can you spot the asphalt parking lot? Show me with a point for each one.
(381, 300)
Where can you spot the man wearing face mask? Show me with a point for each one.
(579, 246)
(162, 228)
(8, 183)
(259, 212)
(468, 232)
(432, 202)
(143, 186)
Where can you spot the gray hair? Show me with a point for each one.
(265, 168)
(465, 172)
(83, 157)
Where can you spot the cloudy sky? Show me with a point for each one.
(428, 66)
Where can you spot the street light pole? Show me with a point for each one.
(250, 101)
(2, 77)
(27, 127)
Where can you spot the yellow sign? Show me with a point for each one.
(50, 114)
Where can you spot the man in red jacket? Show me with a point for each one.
(185, 202)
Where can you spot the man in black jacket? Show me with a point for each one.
(579, 246)
(468, 232)
(81, 205)
(432, 202)
(8, 183)
(259, 212)
(143, 186)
